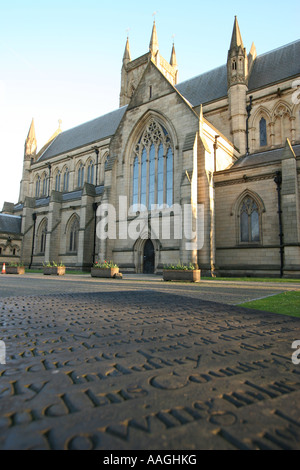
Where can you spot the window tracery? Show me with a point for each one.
(152, 178)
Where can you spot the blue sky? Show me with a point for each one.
(62, 59)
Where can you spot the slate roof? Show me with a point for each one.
(275, 66)
(207, 87)
(87, 133)
(268, 156)
(10, 223)
(268, 68)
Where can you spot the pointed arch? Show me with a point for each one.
(139, 247)
(90, 164)
(65, 178)
(260, 125)
(150, 162)
(281, 108)
(44, 184)
(80, 170)
(248, 210)
(282, 122)
(37, 186)
(72, 232)
(57, 179)
(42, 236)
(138, 129)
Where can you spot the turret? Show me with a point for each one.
(30, 142)
(237, 62)
(29, 157)
(153, 45)
(124, 97)
(237, 77)
(132, 70)
(173, 63)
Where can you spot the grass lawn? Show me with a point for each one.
(287, 303)
(250, 279)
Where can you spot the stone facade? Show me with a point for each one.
(226, 144)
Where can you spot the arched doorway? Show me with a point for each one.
(149, 257)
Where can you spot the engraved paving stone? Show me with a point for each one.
(146, 370)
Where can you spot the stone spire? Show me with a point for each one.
(127, 56)
(30, 143)
(236, 39)
(237, 61)
(153, 46)
(173, 60)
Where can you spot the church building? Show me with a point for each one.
(206, 171)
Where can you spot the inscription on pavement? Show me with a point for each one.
(146, 370)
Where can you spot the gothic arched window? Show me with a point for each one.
(66, 180)
(80, 176)
(262, 132)
(90, 173)
(57, 181)
(152, 183)
(249, 221)
(42, 235)
(37, 186)
(73, 235)
(44, 185)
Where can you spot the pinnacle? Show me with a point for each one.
(153, 46)
(236, 40)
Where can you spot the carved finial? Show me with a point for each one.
(59, 123)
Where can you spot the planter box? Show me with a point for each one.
(15, 270)
(181, 275)
(105, 272)
(54, 271)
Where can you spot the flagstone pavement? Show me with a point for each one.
(142, 364)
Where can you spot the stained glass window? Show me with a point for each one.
(154, 184)
(90, 173)
(66, 180)
(80, 176)
(249, 221)
(263, 132)
(57, 181)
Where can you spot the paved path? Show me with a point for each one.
(229, 292)
(130, 365)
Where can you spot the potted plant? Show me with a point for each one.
(54, 269)
(104, 269)
(15, 268)
(181, 272)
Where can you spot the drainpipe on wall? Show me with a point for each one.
(212, 214)
(278, 181)
(97, 157)
(248, 109)
(32, 248)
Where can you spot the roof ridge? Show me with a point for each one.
(277, 48)
(224, 65)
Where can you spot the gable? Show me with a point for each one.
(153, 85)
